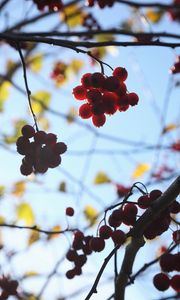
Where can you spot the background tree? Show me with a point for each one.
(89, 149)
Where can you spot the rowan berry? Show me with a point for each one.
(85, 111)
(133, 99)
(105, 232)
(175, 282)
(69, 211)
(79, 92)
(99, 120)
(28, 131)
(121, 73)
(161, 281)
(97, 244)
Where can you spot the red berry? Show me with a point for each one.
(79, 92)
(80, 260)
(26, 169)
(70, 274)
(175, 282)
(69, 211)
(97, 80)
(85, 111)
(40, 137)
(51, 139)
(99, 120)
(174, 207)
(123, 100)
(86, 80)
(154, 195)
(105, 232)
(94, 96)
(54, 161)
(28, 131)
(59, 148)
(144, 201)
(118, 237)
(167, 262)
(97, 244)
(111, 83)
(161, 281)
(123, 107)
(121, 73)
(109, 102)
(71, 255)
(133, 99)
(121, 89)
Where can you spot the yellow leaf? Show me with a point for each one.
(41, 100)
(90, 214)
(71, 115)
(169, 127)
(54, 235)
(76, 65)
(30, 274)
(34, 237)
(72, 15)
(4, 93)
(2, 190)
(35, 62)
(101, 178)
(154, 15)
(62, 187)
(140, 170)
(24, 212)
(2, 220)
(19, 188)
(43, 122)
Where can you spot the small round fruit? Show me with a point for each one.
(79, 92)
(69, 211)
(99, 120)
(85, 111)
(121, 73)
(161, 281)
(28, 131)
(175, 282)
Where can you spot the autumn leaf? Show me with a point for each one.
(154, 15)
(4, 93)
(24, 212)
(76, 65)
(71, 115)
(35, 62)
(101, 178)
(72, 15)
(62, 187)
(2, 220)
(91, 214)
(30, 274)
(34, 237)
(41, 100)
(140, 170)
(19, 188)
(170, 127)
(54, 235)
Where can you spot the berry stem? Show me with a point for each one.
(26, 85)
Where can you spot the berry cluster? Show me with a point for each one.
(175, 13)
(176, 146)
(176, 67)
(8, 287)
(80, 244)
(101, 3)
(53, 5)
(162, 282)
(104, 95)
(41, 153)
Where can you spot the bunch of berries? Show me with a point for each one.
(8, 287)
(101, 3)
(104, 95)
(80, 244)
(176, 67)
(53, 5)
(41, 153)
(175, 12)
